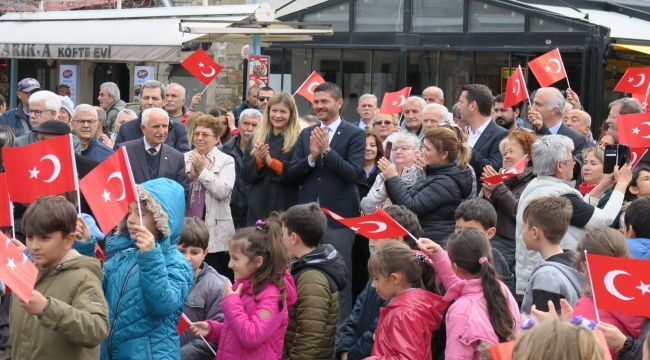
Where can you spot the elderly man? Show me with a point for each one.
(18, 118)
(580, 121)
(86, 122)
(235, 147)
(622, 106)
(109, 100)
(249, 103)
(264, 94)
(367, 108)
(150, 156)
(433, 95)
(152, 95)
(434, 115)
(412, 112)
(553, 164)
(175, 103)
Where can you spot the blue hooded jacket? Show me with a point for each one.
(146, 291)
(639, 248)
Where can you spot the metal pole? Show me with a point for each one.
(13, 82)
(256, 46)
(118, 5)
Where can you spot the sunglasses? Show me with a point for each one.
(385, 122)
(263, 98)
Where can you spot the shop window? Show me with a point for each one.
(385, 70)
(544, 25)
(437, 16)
(485, 17)
(379, 15)
(492, 70)
(356, 81)
(300, 68)
(455, 71)
(337, 15)
(421, 70)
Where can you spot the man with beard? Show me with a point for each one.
(507, 117)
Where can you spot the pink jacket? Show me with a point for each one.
(247, 332)
(467, 319)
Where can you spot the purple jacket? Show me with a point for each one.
(247, 332)
(467, 319)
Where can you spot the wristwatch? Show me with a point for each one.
(327, 151)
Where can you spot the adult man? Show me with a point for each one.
(412, 111)
(553, 164)
(484, 135)
(433, 95)
(109, 100)
(546, 116)
(249, 103)
(149, 156)
(18, 118)
(175, 103)
(580, 121)
(152, 95)
(235, 147)
(622, 106)
(367, 109)
(434, 115)
(506, 117)
(264, 94)
(86, 122)
(327, 161)
(63, 90)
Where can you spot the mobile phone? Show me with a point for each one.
(615, 155)
(388, 149)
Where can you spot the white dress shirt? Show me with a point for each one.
(472, 138)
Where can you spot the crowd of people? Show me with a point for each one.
(228, 230)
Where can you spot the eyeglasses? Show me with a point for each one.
(566, 161)
(39, 112)
(263, 98)
(385, 122)
(202, 134)
(85, 122)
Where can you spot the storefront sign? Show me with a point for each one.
(142, 74)
(258, 70)
(68, 76)
(91, 52)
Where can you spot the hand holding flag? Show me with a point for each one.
(16, 270)
(515, 170)
(548, 68)
(377, 225)
(393, 101)
(184, 323)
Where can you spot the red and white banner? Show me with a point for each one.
(202, 67)
(378, 225)
(16, 270)
(548, 68)
(634, 130)
(393, 101)
(306, 90)
(516, 90)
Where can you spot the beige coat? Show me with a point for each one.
(218, 179)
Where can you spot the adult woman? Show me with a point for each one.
(190, 124)
(592, 169)
(504, 196)
(374, 152)
(609, 137)
(403, 155)
(384, 125)
(212, 175)
(267, 159)
(447, 182)
(220, 115)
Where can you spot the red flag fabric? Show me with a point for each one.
(515, 170)
(643, 100)
(636, 154)
(634, 130)
(306, 90)
(16, 270)
(109, 189)
(183, 324)
(40, 169)
(6, 213)
(548, 68)
(377, 225)
(392, 101)
(516, 91)
(502, 351)
(635, 81)
(202, 67)
(620, 284)
(99, 253)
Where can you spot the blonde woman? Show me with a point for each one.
(267, 159)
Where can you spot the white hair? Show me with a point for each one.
(415, 99)
(112, 88)
(369, 96)
(436, 89)
(410, 139)
(129, 112)
(85, 108)
(181, 87)
(555, 99)
(548, 151)
(52, 100)
(146, 114)
(435, 106)
(254, 113)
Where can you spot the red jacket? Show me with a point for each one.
(406, 324)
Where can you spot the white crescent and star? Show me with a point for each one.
(609, 284)
(381, 227)
(557, 65)
(518, 87)
(646, 123)
(312, 85)
(57, 167)
(210, 74)
(118, 175)
(11, 264)
(641, 80)
(402, 99)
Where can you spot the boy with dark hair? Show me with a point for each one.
(546, 220)
(204, 300)
(67, 315)
(319, 274)
(637, 228)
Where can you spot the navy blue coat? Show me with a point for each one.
(486, 150)
(176, 138)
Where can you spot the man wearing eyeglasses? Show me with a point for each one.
(264, 94)
(85, 122)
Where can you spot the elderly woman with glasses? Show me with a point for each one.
(384, 125)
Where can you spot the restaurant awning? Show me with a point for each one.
(638, 48)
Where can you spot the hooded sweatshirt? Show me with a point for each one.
(146, 290)
(319, 276)
(75, 322)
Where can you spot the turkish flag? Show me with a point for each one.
(515, 170)
(643, 100)
(202, 67)
(6, 211)
(183, 323)
(16, 270)
(634, 130)
(516, 90)
(306, 90)
(636, 154)
(635, 81)
(548, 68)
(109, 189)
(44, 168)
(620, 284)
(377, 225)
(502, 351)
(393, 101)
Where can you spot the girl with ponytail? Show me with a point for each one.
(484, 311)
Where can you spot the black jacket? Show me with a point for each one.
(365, 183)
(434, 198)
(176, 138)
(239, 198)
(486, 150)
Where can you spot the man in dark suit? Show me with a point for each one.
(152, 95)
(483, 134)
(327, 161)
(149, 156)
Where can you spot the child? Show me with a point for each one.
(355, 337)
(637, 228)
(255, 313)
(319, 273)
(480, 215)
(204, 301)
(546, 220)
(67, 316)
(414, 311)
(640, 184)
(484, 310)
